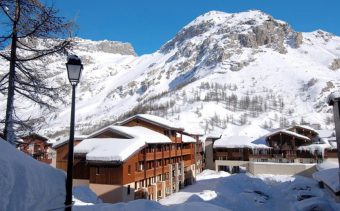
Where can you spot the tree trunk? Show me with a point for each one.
(9, 121)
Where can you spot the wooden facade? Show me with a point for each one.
(153, 172)
(283, 148)
(62, 153)
(37, 146)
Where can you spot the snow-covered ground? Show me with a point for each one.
(27, 184)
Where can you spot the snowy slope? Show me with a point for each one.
(220, 71)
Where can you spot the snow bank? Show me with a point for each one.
(27, 184)
(83, 195)
(327, 165)
(210, 174)
(330, 177)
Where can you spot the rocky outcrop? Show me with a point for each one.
(335, 64)
(105, 46)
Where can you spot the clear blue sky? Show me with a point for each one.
(148, 24)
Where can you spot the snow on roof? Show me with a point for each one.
(154, 119)
(305, 127)
(188, 139)
(118, 149)
(239, 142)
(289, 133)
(326, 133)
(330, 177)
(65, 139)
(149, 136)
(312, 148)
(108, 149)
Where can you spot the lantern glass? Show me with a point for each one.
(74, 72)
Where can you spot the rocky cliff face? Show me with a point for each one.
(105, 46)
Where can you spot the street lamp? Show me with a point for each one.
(74, 69)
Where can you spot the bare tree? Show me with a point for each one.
(24, 23)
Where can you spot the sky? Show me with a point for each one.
(148, 24)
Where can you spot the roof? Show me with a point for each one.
(240, 142)
(326, 133)
(333, 97)
(108, 149)
(156, 120)
(118, 149)
(44, 138)
(303, 127)
(64, 140)
(288, 132)
(188, 139)
(149, 136)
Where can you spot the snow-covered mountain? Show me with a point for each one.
(221, 71)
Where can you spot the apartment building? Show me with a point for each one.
(144, 157)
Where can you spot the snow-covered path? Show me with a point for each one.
(245, 192)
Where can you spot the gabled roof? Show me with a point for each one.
(240, 142)
(156, 120)
(288, 132)
(65, 140)
(305, 127)
(44, 138)
(118, 149)
(108, 149)
(149, 136)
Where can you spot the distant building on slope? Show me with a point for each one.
(297, 146)
(37, 146)
(144, 157)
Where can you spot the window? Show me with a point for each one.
(128, 190)
(129, 169)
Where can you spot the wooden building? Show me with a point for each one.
(37, 146)
(61, 150)
(145, 157)
(298, 144)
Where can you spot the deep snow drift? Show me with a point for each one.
(27, 184)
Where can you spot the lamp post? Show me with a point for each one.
(74, 69)
(334, 100)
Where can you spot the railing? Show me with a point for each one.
(159, 170)
(187, 163)
(150, 173)
(186, 151)
(139, 175)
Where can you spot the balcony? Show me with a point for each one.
(159, 170)
(150, 156)
(139, 175)
(186, 151)
(150, 173)
(173, 153)
(159, 155)
(187, 163)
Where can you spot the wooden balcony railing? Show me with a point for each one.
(186, 151)
(139, 175)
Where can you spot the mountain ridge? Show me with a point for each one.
(221, 71)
